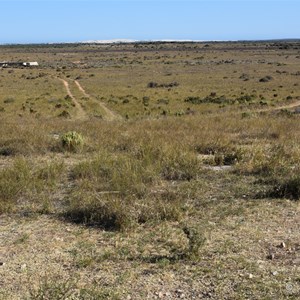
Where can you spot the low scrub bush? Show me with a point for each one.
(162, 85)
(213, 98)
(9, 100)
(209, 99)
(64, 114)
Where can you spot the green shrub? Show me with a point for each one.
(72, 141)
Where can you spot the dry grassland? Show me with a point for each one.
(150, 171)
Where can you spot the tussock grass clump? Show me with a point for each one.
(213, 145)
(13, 182)
(120, 173)
(107, 211)
(177, 165)
(166, 205)
(16, 146)
(25, 181)
(270, 160)
(118, 191)
(26, 137)
(286, 188)
(112, 211)
(51, 288)
(228, 157)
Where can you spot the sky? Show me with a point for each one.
(46, 21)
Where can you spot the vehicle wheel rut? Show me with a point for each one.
(287, 106)
(80, 112)
(109, 114)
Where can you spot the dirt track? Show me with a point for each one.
(109, 114)
(287, 106)
(80, 112)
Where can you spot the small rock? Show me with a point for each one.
(275, 273)
(168, 294)
(296, 261)
(128, 297)
(251, 276)
(180, 294)
(2, 263)
(282, 245)
(271, 256)
(160, 295)
(23, 267)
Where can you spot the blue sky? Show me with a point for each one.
(23, 21)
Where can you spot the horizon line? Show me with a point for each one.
(133, 41)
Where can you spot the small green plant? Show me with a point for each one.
(196, 241)
(72, 141)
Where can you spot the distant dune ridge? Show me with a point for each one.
(118, 41)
